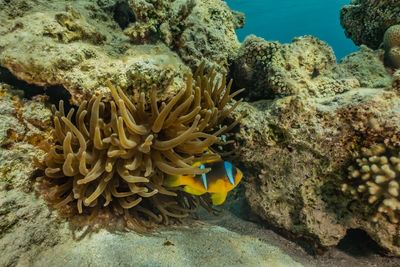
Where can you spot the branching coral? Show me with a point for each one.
(375, 180)
(118, 151)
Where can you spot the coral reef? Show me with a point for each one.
(196, 30)
(239, 19)
(79, 45)
(391, 44)
(367, 66)
(391, 38)
(396, 81)
(375, 179)
(24, 127)
(365, 21)
(295, 152)
(26, 224)
(305, 66)
(118, 151)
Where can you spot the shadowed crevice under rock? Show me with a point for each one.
(55, 92)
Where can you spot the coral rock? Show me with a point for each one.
(392, 37)
(79, 46)
(365, 21)
(295, 152)
(196, 30)
(305, 66)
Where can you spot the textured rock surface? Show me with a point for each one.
(196, 30)
(396, 80)
(80, 46)
(365, 21)
(307, 66)
(296, 152)
(24, 126)
(391, 44)
(26, 227)
(366, 65)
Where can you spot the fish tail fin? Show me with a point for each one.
(172, 180)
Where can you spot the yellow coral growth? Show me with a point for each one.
(376, 179)
(117, 152)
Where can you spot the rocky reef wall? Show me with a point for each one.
(309, 118)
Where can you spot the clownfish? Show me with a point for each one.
(221, 179)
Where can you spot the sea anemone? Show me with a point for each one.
(117, 153)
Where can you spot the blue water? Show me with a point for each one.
(281, 20)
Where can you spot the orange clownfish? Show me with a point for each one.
(221, 179)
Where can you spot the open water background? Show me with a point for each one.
(282, 20)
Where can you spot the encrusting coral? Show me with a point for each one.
(118, 151)
(375, 179)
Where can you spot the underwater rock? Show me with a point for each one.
(365, 21)
(26, 224)
(196, 30)
(239, 19)
(367, 66)
(24, 127)
(296, 151)
(80, 46)
(396, 81)
(305, 66)
(27, 227)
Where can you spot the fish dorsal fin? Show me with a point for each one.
(204, 177)
(193, 191)
(218, 198)
(229, 172)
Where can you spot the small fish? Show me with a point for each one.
(221, 179)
